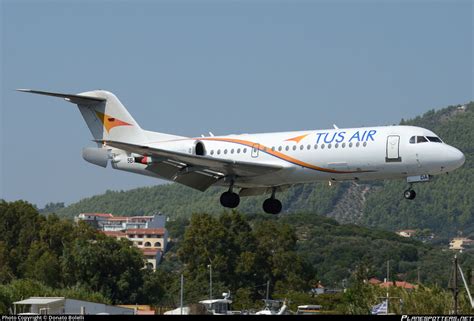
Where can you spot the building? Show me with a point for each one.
(140, 309)
(398, 284)
(374, 281)
(62, 305)
(93, 219)
(148, 233)
(108, 222)
(407, 233)
(460, 243)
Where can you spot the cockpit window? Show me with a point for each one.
(412, 140)
(434, 139)
(421, 139)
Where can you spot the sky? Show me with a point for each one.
(190, 67)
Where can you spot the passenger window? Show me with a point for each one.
(294, 147)
(329, 145)
(316, 146)
(337, 145)
(343, 145)
(225, 151)
(322, 146)
(412, 140)
(238, 150)
(279, 148)
(421, 139)
(357, 144)
(218, 152)
(287, 148)
(232, 151)
(365, 144)
(301, 147)
(308, 147)
(212, 152)
(350, 144)
(273, 148)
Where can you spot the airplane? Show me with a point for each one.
(258, 164)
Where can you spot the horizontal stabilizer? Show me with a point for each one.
(76, 99)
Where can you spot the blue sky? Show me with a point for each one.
(189, 67)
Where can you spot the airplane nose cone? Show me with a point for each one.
(455, 158)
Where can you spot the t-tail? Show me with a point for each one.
(108, 120)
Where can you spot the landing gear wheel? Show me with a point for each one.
(409, 194)
(230, 199)
(272, 206)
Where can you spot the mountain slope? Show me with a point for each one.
(445, 205)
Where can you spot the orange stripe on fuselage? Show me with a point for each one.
(287, 158)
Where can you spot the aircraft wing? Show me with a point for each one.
(199, 172)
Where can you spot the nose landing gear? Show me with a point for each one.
(409, 194)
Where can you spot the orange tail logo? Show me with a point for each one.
(110, 122)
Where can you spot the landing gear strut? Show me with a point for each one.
(230, 199)
(409, 194)
(272, 205)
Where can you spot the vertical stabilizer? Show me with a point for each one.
(109, 119)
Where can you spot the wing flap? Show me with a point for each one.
(197, 180)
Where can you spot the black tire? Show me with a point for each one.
(230, 200)
(276, 206)
(272, 206)
(409, 194)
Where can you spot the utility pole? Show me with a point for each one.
(210, 281)
(182, 293)
(455, 286)
(268, 290)
(388, 283)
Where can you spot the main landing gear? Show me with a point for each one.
(272, 205)
(230, 199)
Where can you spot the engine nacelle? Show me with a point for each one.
(199, 148)
(194, 147)
(96, 156)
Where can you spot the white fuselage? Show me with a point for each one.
(368, 153)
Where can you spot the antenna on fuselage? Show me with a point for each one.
(335, 127)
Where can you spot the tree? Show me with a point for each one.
(43, 265)
(105, 265)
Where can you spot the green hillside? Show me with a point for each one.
(445, 205)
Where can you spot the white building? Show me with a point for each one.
(61, 305)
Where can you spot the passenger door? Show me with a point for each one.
(393, 149)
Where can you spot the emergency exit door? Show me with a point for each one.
(255, 149)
